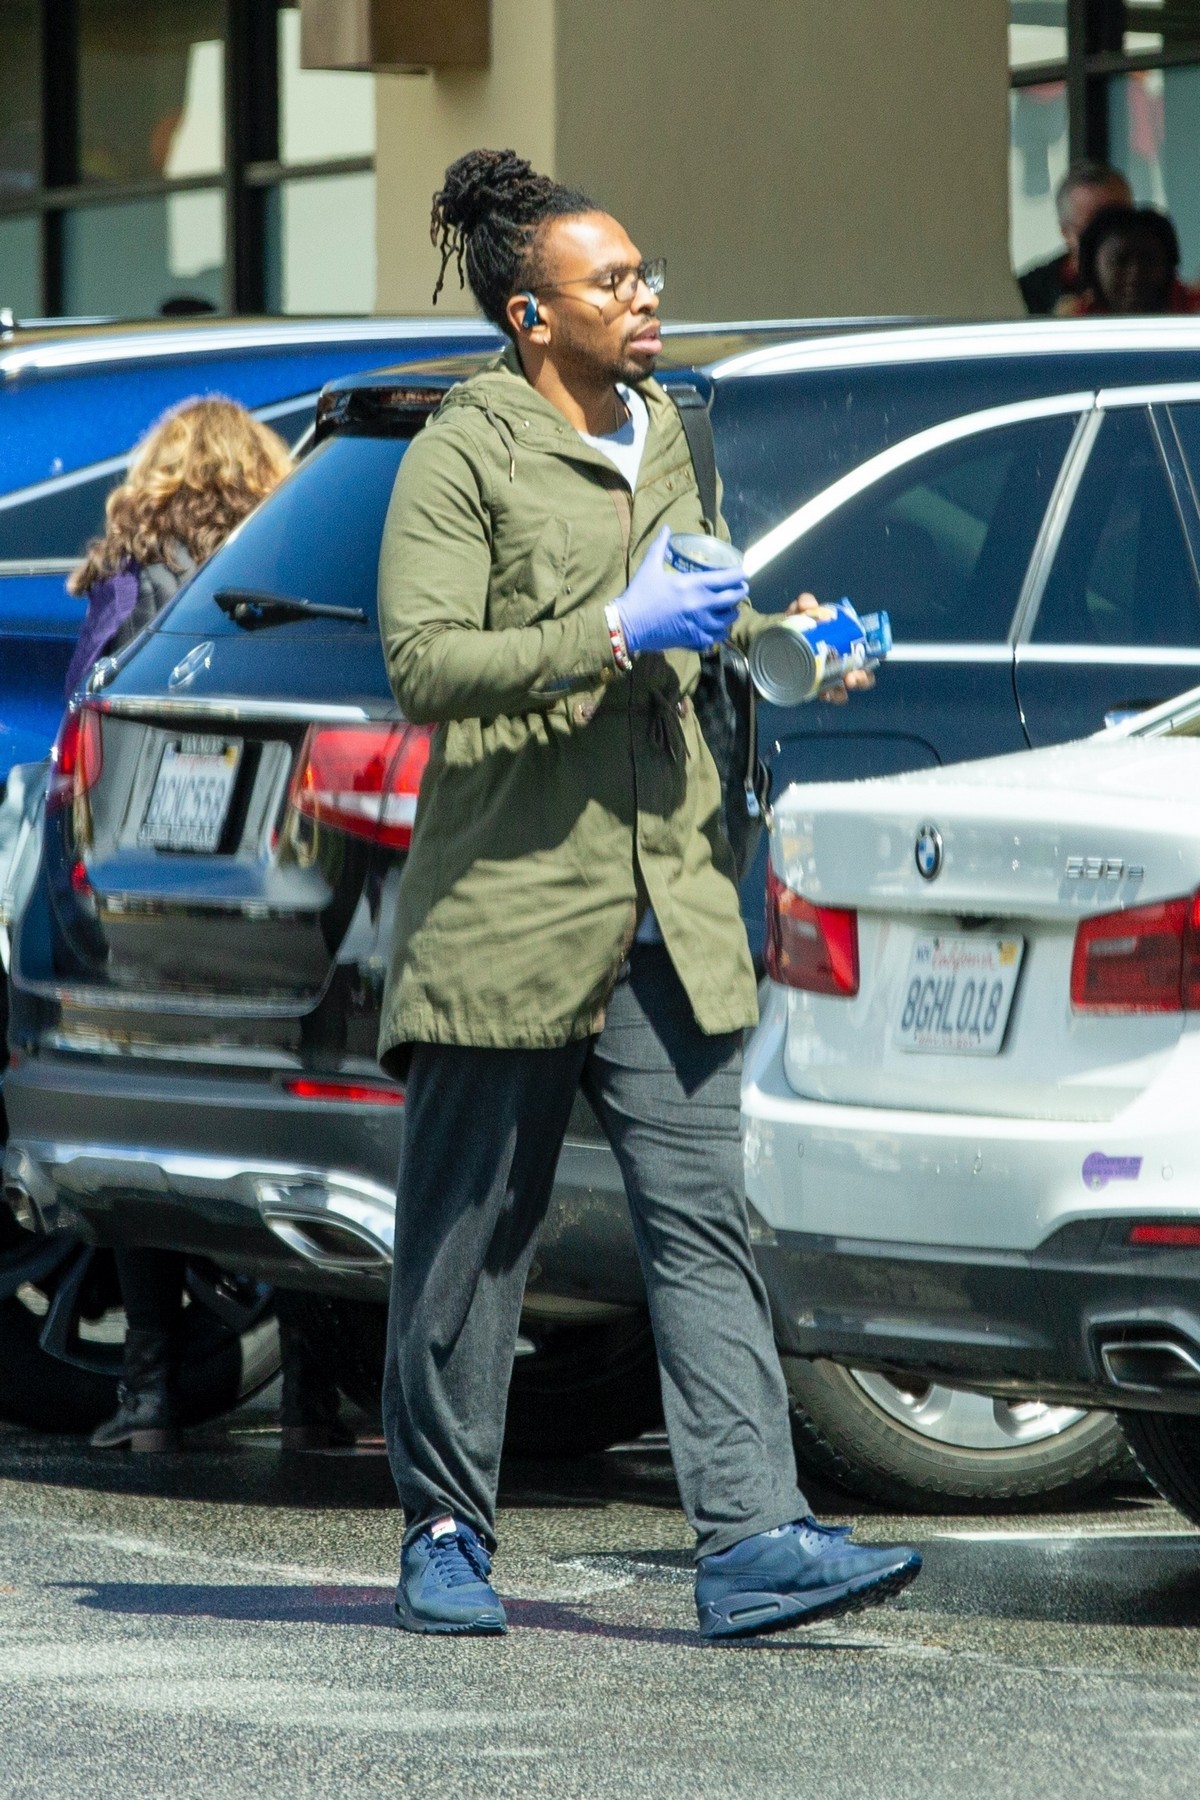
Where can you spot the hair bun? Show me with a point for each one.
(483, 183)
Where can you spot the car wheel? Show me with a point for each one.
(59, 1292)
(575, 1389)
(917, 1446)
(1167, 1445)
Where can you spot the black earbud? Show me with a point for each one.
(531, 316)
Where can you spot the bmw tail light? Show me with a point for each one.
(1143, 960)
(810, 947)
(1162, 1235)
(363, 779)
(75, 761)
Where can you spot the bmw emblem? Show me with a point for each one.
(187, 670)
(929, 851)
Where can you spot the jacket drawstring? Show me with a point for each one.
(665, 729)
(506, 438)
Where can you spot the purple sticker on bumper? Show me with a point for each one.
(1099, 1170)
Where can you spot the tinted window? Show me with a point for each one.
(943, 544)
(1122, 574)
(1186, 420)
(58, 518)
(316, 539)
(57, 521)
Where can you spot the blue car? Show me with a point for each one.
(72, 404)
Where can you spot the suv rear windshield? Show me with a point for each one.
(316, 539)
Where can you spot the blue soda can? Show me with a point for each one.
(695, 553)
(793, 660)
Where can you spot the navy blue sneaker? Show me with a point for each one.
(795, 1574)
(444, 1585)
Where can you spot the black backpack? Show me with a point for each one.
(724, 698)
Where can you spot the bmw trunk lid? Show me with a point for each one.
(968, 885)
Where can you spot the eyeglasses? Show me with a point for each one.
(622, 283)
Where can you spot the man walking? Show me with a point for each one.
(568, 917)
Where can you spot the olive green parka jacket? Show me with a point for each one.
(562, 797)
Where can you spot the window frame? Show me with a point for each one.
(253, 167)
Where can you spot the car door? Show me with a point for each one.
(1111, 622)
(939, 531)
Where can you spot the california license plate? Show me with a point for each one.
(958, 994)
(191, 796)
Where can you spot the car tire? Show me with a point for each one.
(1167, 1448)
(877, 1440)
(580, 1389)
(230, 1349)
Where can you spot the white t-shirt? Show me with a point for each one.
(623, 449)
(624, 446)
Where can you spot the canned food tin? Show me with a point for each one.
(695, 553)
(794, 659)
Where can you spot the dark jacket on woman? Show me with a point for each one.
(121, 606)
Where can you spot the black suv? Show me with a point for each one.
(198, 965)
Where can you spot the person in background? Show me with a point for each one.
(1129, 263)
(1085, 189)
(195, 476)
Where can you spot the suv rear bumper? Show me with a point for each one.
(1084, 1320)
(296, 1192)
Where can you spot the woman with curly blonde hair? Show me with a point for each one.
(195, 476)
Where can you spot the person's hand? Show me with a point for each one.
(662, 609)
(857, 681)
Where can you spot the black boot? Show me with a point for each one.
(310, 1413)
(146, 1416)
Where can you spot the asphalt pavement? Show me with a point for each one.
(218, 1623)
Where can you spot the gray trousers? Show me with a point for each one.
(483, 1129)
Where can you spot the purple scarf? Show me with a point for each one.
(109, 604)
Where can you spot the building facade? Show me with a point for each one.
(789, 159)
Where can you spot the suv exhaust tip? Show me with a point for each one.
(1149, 1365)
(334, 1229)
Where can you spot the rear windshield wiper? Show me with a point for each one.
(252, 610)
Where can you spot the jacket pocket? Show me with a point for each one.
(531, 591)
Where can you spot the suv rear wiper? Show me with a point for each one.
(252, 610)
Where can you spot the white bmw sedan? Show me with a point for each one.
(972, 1108)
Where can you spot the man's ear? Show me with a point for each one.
(526, 320)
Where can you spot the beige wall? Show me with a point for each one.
(790, 157)
(424, 121)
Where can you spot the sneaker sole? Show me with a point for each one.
(488, 1625)
(754, 1615)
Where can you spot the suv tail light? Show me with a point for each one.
(353, 1093)
(75, 761)
(363, 779)
(1143, 960)
(810, 947)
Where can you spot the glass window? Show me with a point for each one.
(124, 261)
(321, 245)
(20, 285)
(1154, 135)
(57, 521)
(19, 87)
(1037, 32)
(1122, 573)
(1151, 26)
(150, 89)
(1038, 156)
(942, 545)
(287, 547)
(323, 113)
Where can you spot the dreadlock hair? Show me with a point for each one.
(487, 218)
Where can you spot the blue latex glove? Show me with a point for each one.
(662, 609)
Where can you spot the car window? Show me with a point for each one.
(1186, 420)
(942, 545)
(1122, 573)
(57, 518)
(316, 538)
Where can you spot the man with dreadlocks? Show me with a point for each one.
(568, 916)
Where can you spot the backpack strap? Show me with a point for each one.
(697, 428)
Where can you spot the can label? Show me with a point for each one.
(793, 661)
